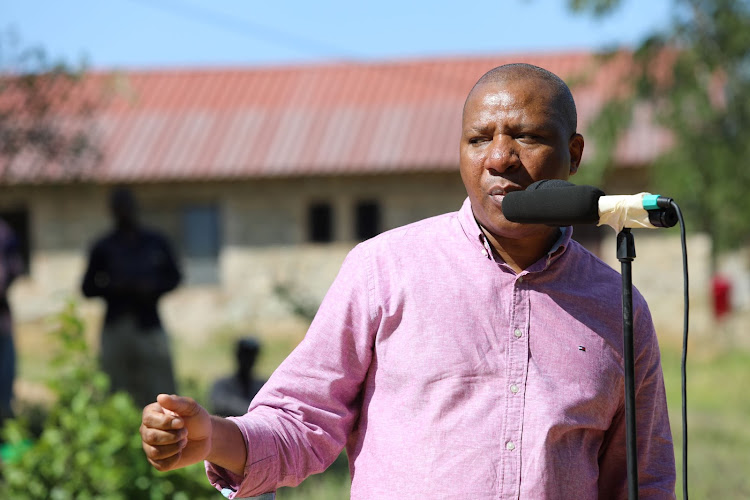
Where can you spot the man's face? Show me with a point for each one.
(513, 135)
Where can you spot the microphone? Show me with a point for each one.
(555, 202)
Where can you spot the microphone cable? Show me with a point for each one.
(683, 362)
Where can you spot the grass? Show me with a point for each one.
(333, 484)
(718, 406)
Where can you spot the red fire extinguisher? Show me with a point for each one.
(721, 290)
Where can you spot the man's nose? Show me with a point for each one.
(501, 156)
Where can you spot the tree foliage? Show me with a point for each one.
(89, 446)
(45, 114)
(704, 101)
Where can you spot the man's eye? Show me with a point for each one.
(528, 137)
(477, 140)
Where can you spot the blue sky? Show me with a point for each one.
(193, 33)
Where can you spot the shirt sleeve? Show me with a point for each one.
(300, 420)
(96, 281)
(655, 450)
(167, 276)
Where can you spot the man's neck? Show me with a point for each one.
(520, 254)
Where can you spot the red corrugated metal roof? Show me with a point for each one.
(315, 120)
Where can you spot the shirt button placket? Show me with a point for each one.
(517, 359)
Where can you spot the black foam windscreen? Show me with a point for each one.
(553, 202)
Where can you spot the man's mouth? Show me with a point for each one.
(498, 199)
(501, 191)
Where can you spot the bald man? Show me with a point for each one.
(463, 356)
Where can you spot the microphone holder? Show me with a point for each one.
(626, 254)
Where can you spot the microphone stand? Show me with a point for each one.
(626, 254)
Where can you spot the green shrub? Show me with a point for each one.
(89, 445)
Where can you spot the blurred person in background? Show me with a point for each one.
(11, 265)
(131, 267)
(232, 395)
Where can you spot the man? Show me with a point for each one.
(11, 266)
(463, 356)
(232, 395)
(131, 268)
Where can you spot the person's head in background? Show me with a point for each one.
(247, 351)
(123, 207)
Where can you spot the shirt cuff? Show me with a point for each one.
(228, 493)
(261, 467)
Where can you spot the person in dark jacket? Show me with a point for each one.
(131, 267)
(232, 395)
(11, 265)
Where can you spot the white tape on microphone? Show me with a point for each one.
(624, 211)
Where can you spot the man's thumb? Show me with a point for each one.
(182, 406)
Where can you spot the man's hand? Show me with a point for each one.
(176, 432)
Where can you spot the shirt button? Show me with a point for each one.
(520, 279)
(514, 388)
(518, 333)
(510, 446)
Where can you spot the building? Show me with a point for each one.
(265, 177)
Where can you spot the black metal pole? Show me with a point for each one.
(626, 254)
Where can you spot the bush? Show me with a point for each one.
(89, 446)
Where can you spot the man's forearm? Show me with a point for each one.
(228, 447)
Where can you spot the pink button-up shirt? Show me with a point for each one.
(447, 375)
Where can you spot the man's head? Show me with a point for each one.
(519, 71)
(123, 208)
(519, 126)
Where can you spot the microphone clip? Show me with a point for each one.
(661, 213)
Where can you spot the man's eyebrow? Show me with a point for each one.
(543, 125)
(478, 127)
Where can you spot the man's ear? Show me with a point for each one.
(575, 146)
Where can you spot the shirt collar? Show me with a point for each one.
(475, 235)
(559, 247)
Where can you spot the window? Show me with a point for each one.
(201, 243)
(320, 223)
(367, 220)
